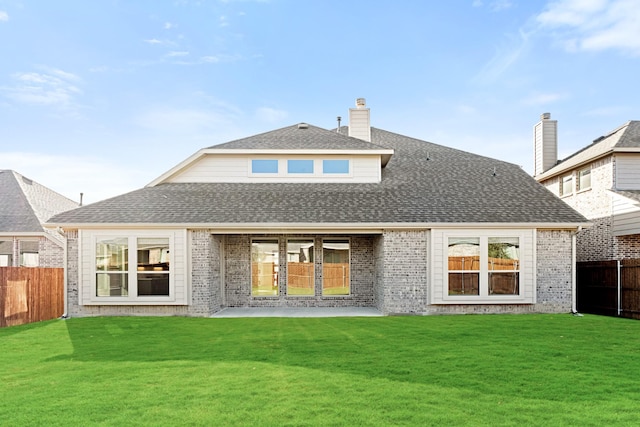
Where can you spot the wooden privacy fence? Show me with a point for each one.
(610, 288)
(30, 294)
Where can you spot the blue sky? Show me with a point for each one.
(102, 97)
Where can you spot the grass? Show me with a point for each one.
(445, 370)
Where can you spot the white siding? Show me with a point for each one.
(626, 216)
(179, 276)
(229, 168)
(440, 265)
(628, 172)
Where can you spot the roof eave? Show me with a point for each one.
(359, 227)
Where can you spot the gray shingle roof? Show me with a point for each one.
(16, 214)
(298, 137)
(626, 136)
(423, 183)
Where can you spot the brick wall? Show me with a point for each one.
(237, 274)
(402, 260)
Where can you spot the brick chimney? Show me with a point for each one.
(545, 144)
(360, 121)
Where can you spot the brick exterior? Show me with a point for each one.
(49, 253)
(388, 271)
(597, 243)
(237, 263)
(401, 258)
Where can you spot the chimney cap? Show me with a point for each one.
(361, 102)
(303, 126)
(545, 116)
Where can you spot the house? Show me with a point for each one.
(602, 182)
(24, 206)
(308, 217)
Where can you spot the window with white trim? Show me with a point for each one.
(483, 266)
(29, 253)
(566, 185)
(300, 166)
(584, 179)
(133, 267)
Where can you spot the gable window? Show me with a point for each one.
(566, 185)
(584, 179)
(335, 166)
(483, 266)
(300, 166)
(128, 267)
(264, 267)
(336, 276)
(264, 166)
(300, 267)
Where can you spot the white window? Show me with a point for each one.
(566, 185)
(584, 179)
(300, 166)
(130, 268)
(483, 267)
(29, 253)
(264, 166)
(335, 167)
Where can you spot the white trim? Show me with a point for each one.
(384, 153)
(346, 227)
(439, 285)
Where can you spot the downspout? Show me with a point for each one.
(65, 260)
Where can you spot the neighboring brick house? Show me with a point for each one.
(602, 182)
(24, 206)
(308, 217)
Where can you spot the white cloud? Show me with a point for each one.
(505, 57)
(169, 25)
(51, 87)
(499, 5)
(594, 25)
(271, 115)
(154, 41)
(4, 16)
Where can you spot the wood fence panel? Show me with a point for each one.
(597, 289)
(630, 288)
(30, 294)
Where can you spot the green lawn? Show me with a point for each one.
(546, 370)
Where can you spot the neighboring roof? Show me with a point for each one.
(623, 139)
(423, 183)
(629, 194)
(25, 204)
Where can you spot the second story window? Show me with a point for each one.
(335, 166)
(300, 166)
(566, 185)
(584, 179)
(264, 166)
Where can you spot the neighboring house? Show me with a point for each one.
(307, 217)
(601, 181)
(24, 206)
